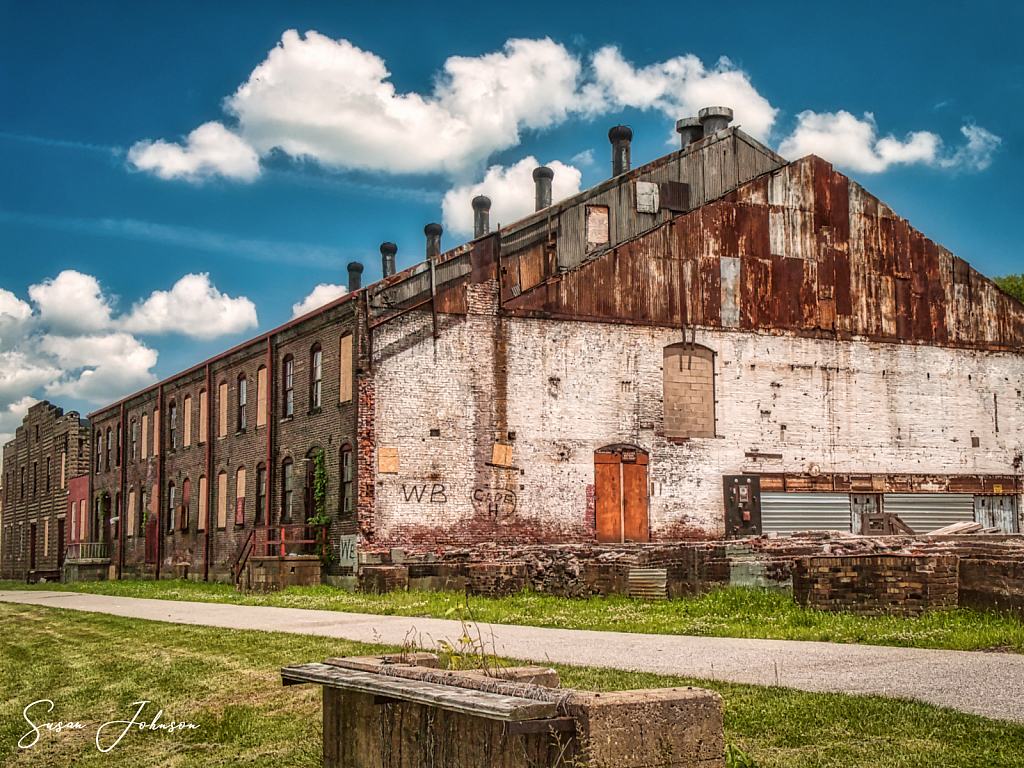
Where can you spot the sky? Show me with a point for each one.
(179, 177)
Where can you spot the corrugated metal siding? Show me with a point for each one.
(788, 512)
(651, 583)
(925, 512)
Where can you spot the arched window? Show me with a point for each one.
(288, 386)
(120, 440)
(287, 490)
(241, 402)
(135, 439)
(186, 427)
(110, 445)
(316, 373)
(346, 480)
(240, 496)
(345, 369)
(689, 391)
(156, 432)
(222, 499)
(261, 396)
(186, 493)
(204, 417)
(174, 425)
(171, 500)
(99, 450)
(261, 494)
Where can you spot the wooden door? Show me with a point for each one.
(60, 544)
(608, 501)
(621, 497)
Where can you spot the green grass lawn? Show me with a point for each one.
(95, 666)
(722, 613)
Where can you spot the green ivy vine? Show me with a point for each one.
(323, 548)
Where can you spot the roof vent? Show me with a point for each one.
(620, 137)
(355, 272)
(387, 258)
(433, 233)
(481, 216)
(690, 130)
(542, 177)
(714, 119)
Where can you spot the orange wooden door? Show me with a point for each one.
(608, 498)
(634, 500)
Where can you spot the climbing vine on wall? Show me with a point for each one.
(320, 517)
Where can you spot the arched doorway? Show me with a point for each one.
(620, 480)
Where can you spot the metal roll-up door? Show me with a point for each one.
(926, 512)
(788, 512)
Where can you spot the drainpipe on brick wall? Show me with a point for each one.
(209, 485)
(159, 475)
(124, 496)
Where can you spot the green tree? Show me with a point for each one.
(1013, 285)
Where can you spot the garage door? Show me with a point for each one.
(925, 512)
(788, 512)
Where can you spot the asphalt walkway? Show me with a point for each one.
(988, 684)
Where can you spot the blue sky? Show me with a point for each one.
(179, 177)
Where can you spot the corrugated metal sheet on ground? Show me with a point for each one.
(789, 512)
(648, 582)
(925, 512)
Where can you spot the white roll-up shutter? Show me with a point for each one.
(926, 512)
(788, 512)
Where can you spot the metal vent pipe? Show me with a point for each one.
(690, 130)
(620, 137)
(355, 271)
(542, 177)
(714, 119)
(481, 216)
(387, 258)
(433, 233)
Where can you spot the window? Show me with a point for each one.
(222, 409)
(316, 360)
(241, 403)
(47, 482)
(132, 512)
(156, 433)
(63, 466)
(346, 479)
(345, 364)
(288, 407)
(240, 496)
(35, 477)
(204, 417)
(186, 493)
(222, 499)
(99, 451)
(135, 440)
(261, 494)
(201, 520)
(119, 440)
(145, 435)
(170, 507)
(110, 445)
(174, 425)
(23, 482)
(287, 490)
(689, 391)
(597, 226)
(186, 407)
(261, 396)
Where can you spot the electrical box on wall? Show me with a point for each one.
(742, 505)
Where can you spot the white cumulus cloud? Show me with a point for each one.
(512, 191)
(321, 295)
(210, 150)
(97, 366)
(11, 417)
(71, 303)
(193, 307)
(853, 143)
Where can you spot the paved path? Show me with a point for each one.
(989, 684)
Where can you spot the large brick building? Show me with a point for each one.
(594, 372)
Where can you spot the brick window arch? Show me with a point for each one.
(242, 393)
(316, 375)
(288, 386)
(688, 391)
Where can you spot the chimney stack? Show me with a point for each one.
(387, 257)
(355, 270)
(620, 137)
(714, 119)
(481, 216)
(542, 177)
(433, 233)
(690, 130)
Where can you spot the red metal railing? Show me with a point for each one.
(280, 541)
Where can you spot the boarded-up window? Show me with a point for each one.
(501, 456)
(186, 502)
(83, 520)
(261, 396)
(74, 519)
(156, 433)
(689, 391)
(387, 460)
(145, 435)
(222, 500)
(240, 497)
(186, 405)
(63, 467)
(222, 410)
(204, 417)
(131, 513)
(597, 226)
(345, 363)
(202, 503)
